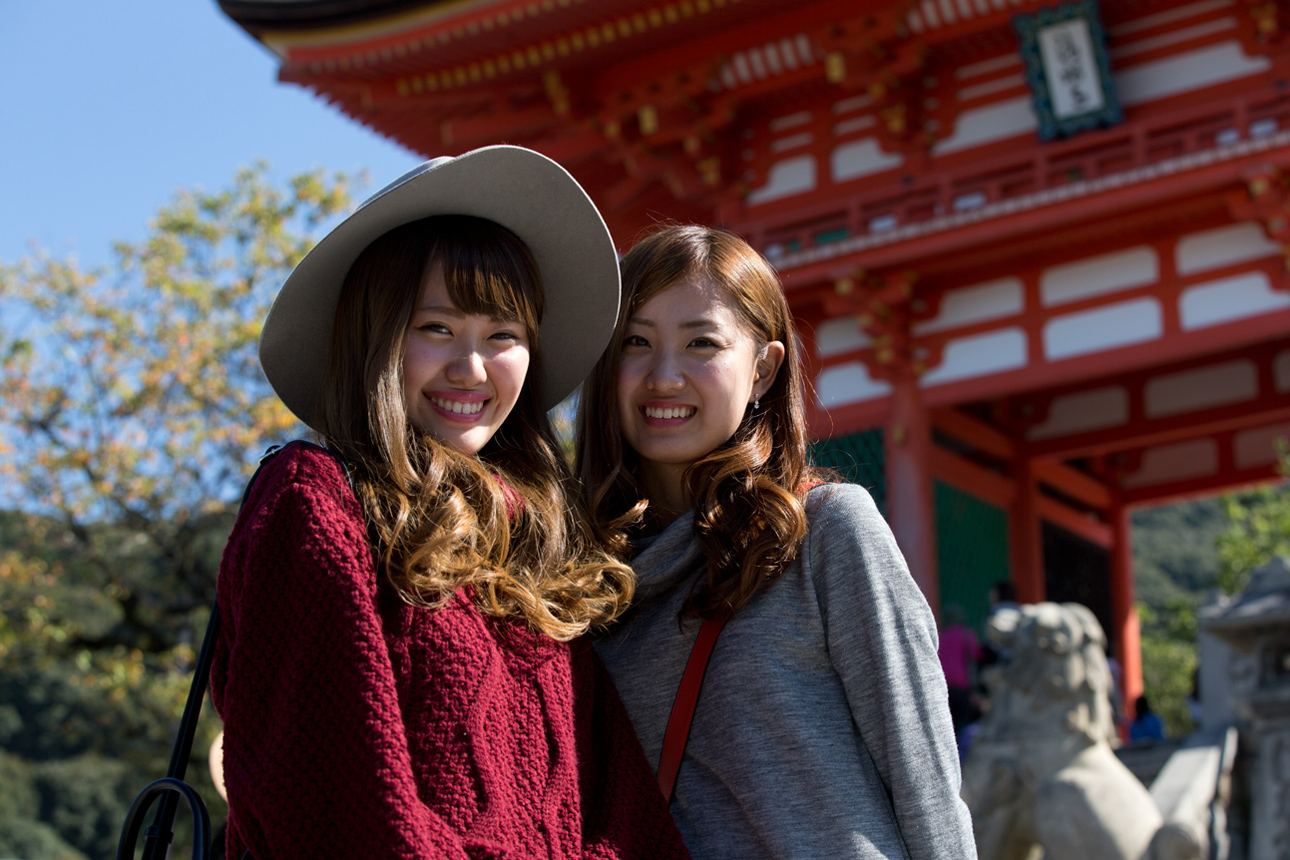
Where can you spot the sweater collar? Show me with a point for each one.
(663, 561)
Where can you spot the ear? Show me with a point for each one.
(768, 367)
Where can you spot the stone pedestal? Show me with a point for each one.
(1256, 625)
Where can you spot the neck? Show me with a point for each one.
(665, 490)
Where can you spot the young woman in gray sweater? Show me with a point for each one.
(822, 729)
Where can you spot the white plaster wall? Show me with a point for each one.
(1201, 388)
(1246, 295)
(990, 123)
(979, 355)
(1096, 276)
(785, 178)
(1211, 249)
(840, 335)
(1162, 464)
(1083, 411)
(848, 383)
(978, 303)
(1281, 371)
(1258, 446)
(1103, 328)
(1179, 73)
(861, 158)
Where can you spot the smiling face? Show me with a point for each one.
(462, 373)
(688, 371)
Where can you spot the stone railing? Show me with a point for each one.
(1192, 792)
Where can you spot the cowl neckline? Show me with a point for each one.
(665, 560)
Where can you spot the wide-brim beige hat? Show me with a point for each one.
(524, 191)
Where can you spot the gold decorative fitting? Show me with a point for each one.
(844, 286)
(647, 117)
(835, 67)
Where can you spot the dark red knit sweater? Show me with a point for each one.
(359, 726)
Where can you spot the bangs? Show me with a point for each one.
(489, 271)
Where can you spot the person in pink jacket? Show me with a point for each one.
(400, 671)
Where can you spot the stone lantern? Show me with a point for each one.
(1256, 624)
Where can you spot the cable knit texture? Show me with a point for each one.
(359, 726)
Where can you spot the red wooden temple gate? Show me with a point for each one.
(1013, 341)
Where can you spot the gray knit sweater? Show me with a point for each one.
(823, 729)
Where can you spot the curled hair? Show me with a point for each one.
(503, 522)
(749, 514)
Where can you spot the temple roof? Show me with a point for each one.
(256, 16)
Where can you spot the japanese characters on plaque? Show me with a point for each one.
(1067, 67)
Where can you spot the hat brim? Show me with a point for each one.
(524, 191)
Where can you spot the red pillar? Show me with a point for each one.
(1124, 614)
(908, 444)
(1026, 538)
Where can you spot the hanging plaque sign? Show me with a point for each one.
(1067, 68)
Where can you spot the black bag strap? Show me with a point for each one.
(171, 788)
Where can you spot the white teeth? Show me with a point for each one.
(461, 407)
(670, 412)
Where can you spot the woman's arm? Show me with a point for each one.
(881, 638)
(316, 760)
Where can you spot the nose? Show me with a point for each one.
(664, 374)
(466, 368)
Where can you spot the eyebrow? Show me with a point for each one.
(692, 324)
(457, 313)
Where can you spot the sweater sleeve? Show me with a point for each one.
(316, 758)
(882, 641)
(624, 815)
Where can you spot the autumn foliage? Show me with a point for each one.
(132, 411)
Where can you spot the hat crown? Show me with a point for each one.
(522, 190)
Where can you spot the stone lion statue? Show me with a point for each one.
(1041, 779)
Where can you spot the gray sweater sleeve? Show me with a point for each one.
(881, 637)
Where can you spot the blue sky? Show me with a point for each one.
(107, 107)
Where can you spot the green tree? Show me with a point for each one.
(132, 408)
(1259, 530)
(1168, 641)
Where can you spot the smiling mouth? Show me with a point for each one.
(670, 411)
(459, 407)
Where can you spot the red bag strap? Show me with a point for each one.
(687, 697)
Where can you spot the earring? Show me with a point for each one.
(756, 402)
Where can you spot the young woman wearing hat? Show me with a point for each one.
(821, 728)
(398, 670)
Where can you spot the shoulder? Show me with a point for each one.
(298, 468)
(301, 485)
(834, 507)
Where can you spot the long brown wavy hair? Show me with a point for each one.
(747, 494)
(505, 521)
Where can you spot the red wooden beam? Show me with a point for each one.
(1270, 409)
(1092, 530)
(972, 479)
(1073, 483)
(1224, 481)
(972, 431)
